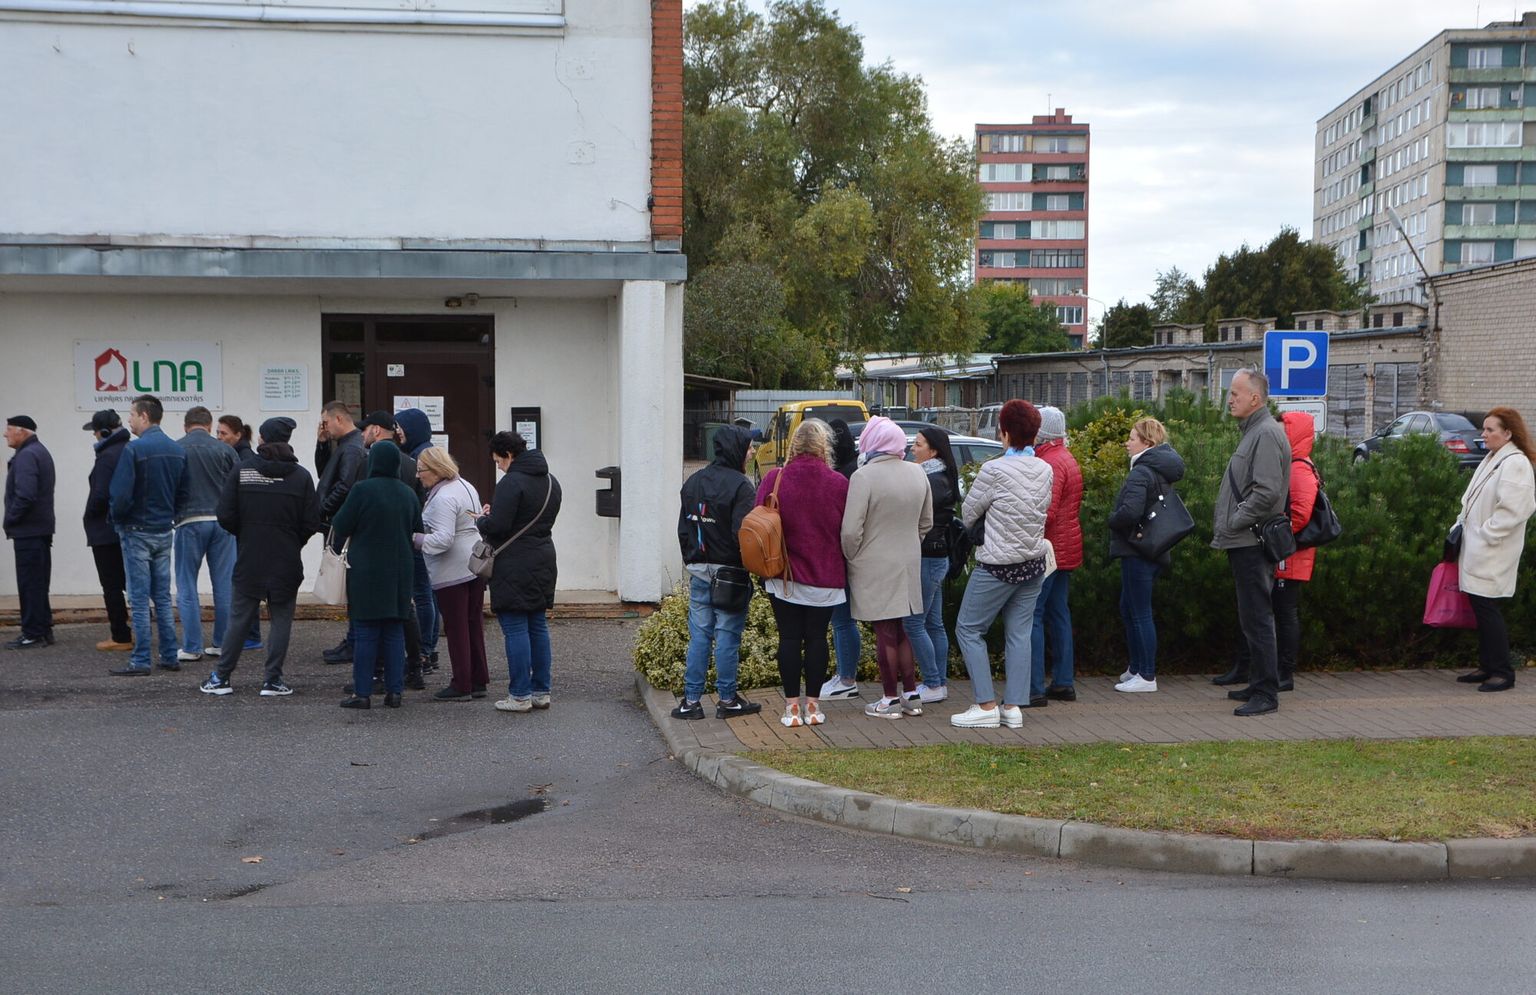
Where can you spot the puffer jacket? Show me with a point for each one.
(1064, 522)
(448, 531)
(1156, 468)
(1304, 483)
(523, 579)
(1013, 494)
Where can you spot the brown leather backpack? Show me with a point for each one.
(762, 538)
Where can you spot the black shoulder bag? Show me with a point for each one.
(1274, 533)
(1324, 526)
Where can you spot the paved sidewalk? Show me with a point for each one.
(1366, 705)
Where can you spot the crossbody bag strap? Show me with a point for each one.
(531, 522)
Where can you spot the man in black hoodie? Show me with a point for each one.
(106, 427)
(714, 502)
(269, 505)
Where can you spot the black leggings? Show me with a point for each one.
(802, 646)
(1492, 638)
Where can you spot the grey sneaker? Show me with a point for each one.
(275, 689)
(541, 700)
(911, 703)
(511, 704)
(883, 709)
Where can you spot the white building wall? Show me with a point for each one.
(136, 127)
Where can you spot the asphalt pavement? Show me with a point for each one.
(450, 847)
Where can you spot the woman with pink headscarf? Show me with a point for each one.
(889, 510)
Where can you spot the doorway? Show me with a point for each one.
(444, 366)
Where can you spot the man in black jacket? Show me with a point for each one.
(714, 502)
(269, 505)
(29, 524)
(341, 459)
(111, 437)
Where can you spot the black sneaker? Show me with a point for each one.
(736, 706)
(275, 689)
(1058, 692)
(218, 685)
(28, 642)
(688, 710)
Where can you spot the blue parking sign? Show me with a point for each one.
(1296, 363)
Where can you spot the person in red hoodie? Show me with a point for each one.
(1296, 570)
(811, 503)
(1064, 528)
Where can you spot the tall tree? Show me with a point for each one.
(1175, 297)
(800, 158)
(1284, 276)
(1126, 325)
(1015, 324)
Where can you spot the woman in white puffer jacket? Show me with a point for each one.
(449, 535)
(1009, 498)
(1494, 510)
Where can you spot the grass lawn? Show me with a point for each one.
(1420, 789)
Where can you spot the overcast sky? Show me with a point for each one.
(1203, 111)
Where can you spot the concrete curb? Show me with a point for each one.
(1334, 860)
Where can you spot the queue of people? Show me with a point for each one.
(398, 509)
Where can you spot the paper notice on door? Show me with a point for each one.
(349, 390)
(432, 407)
(440, 441)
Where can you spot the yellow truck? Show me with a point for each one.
(781, 427)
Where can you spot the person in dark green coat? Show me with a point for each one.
(379, 517)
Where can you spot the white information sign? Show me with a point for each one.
(1316, 407)
(529, 430)
(440, 441)
(285, 388)
(110, 373)
(432, 407)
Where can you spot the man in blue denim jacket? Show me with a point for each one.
(144, 487)
(199, 536)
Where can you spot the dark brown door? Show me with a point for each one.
(450, 390)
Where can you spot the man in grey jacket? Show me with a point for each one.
(1254, 488)
(199, 536)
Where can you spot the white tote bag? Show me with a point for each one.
(331, 581)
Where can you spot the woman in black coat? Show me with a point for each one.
(523, 509)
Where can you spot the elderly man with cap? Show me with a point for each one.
(29, 524)
(269, 506)
(110, 437)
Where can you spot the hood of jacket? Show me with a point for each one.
(1300, 430)
(384, 459)
(731, 445)
(117, 438)
(416, 426)
(844, 449)
(1163, 461)
(533, 464)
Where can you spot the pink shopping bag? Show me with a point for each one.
(1445, 606)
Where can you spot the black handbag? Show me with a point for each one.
(1165, 524)
(1452, 549)
(960, 548)
(1274, 533)
(1324, 526)
(730, 590)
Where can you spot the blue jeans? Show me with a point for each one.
(925, 630)
(147, 562)
(709, 626)
(426, 605)
(1052, 613)
(196, 541)
(528, 654)
(381, 638)
(1136, 578)
(985, 598)
(847, 644)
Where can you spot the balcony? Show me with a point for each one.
(1490, 193)
(1500, 74)
(1489, 233)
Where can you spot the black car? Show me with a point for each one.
(1455, 432)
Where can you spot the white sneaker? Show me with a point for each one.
(1136, 683)
(182, 656)
(814, 716)
(511, 704)
(1012, 715)
(930, 695)
(540, 700)
(1126, 676)
(976, 717)
(885, 709)
(839, 688)
(212, 651)
(791, 717)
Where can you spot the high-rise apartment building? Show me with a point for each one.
(1035, 229)
(1441, 140)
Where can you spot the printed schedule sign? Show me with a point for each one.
(285, 388)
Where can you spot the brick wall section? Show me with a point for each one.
(1487, 342)
(667, 120)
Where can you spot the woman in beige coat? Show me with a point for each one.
(889, 510)
(1494, 509)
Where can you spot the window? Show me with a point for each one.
(1057, 229)
(1482, 134)
(1486, 57)
(1052, 287)
(1479, 176)
(1060, 143)
(1004, 229)
(997, 260)
(1480, 97)
(1059, 172)
(1477, 214)
(1014, 201)
(1056, 259)
(996, 141)
(1069, 315)
(1005, 172)
(1058, 202)
(1476, 253)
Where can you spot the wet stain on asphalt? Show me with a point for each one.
(480, 817)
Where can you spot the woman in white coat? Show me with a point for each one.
(889, 510)
(1494, 509)
(449, 535)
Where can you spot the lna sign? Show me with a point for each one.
(109, 374)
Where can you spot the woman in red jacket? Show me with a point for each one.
(1064, 528)
(1296, 570)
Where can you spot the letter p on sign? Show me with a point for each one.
(1296, 363)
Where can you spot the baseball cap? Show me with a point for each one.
(102, 420)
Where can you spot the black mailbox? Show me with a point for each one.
(608, 500)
